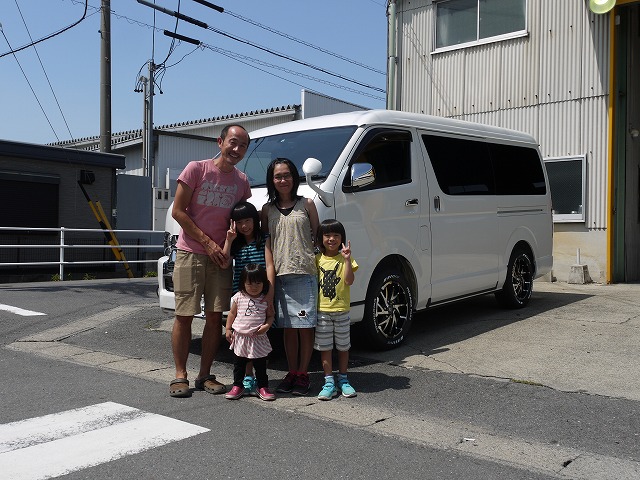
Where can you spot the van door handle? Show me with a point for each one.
(411, 203)
(436, 203)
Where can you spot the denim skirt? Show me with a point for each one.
(295, 299)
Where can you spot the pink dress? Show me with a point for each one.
(251, 314)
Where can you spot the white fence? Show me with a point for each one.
(24, 247)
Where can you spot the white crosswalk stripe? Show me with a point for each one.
(69, 441)
(19, 311)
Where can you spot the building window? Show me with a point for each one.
(567, 180)
(470, 22)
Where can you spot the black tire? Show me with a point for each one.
(388, 310)
(518, 286)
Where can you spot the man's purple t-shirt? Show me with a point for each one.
(214, 194)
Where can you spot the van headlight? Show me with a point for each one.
(169, 243)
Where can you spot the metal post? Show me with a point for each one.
(392, 57)
(61, 269)
(145, 127)
(151, 171)
(150, 149)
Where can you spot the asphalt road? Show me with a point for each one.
(475, 392)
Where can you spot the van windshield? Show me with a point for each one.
(325, 144)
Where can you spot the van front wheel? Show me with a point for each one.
(518, 285)
(388, 310)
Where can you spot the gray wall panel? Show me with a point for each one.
(594, 128)
(559, 34)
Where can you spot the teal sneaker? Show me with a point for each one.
(250, 385)
(347, 390)
(328, 391)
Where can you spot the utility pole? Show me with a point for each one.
(149, 121)
(145, 155)
(105, 77)
(148, 117)
(392, 57)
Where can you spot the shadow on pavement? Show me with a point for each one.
(430, 333)
(433, 329)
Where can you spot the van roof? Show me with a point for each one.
(395, 117)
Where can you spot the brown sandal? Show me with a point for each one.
(179, 388)
(210, 384)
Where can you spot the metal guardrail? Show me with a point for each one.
(65, 244)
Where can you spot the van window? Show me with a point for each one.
(389, 152)
(325, 144)
(462, 167)
(518, 170)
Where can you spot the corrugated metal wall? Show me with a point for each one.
(176, 152)
(553, 83)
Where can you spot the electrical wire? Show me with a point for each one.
(173, 40)
(281, 55)
(29, 83)
(248, 60)
(303, 42)
(161, 68)
(291, 59)
(44, 70)
(14, 51)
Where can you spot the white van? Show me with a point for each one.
(437, 210)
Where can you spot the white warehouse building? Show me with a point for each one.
(557, 70)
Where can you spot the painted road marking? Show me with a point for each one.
(76, 439)
(19, 311)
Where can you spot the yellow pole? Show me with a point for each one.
(114, 241)
(108, 233)
(610, 170)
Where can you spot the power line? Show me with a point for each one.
(13, 51)
(236, 56)
(255, 45)
(29, 83)
(303, 42)
(291, 59)
(44, 70)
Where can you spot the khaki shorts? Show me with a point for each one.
(195, 275)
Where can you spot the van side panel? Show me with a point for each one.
(487, 195)
(383, 220)
(463, 215)
(526, 220)
(524, 204)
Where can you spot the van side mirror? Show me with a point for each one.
(311, 167)
(362, 174)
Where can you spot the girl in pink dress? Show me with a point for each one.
(246, 330)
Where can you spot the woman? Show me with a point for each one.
(290, 221)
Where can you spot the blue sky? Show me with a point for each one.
(225, 77)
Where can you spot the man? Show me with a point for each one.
(207, 190)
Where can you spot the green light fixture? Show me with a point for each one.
(601, 6)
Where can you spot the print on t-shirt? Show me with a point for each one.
(214, 195)
(328, 281)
